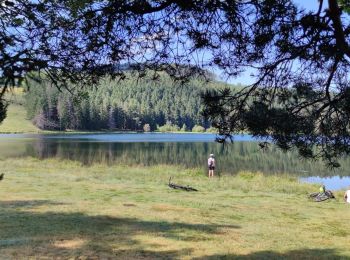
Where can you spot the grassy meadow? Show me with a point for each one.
(61, 209)
(16, 120)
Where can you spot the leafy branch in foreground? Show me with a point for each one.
(301, 97)
(299, 59)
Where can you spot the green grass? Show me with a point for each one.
(61, 209)
(16, 120)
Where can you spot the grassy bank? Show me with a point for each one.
(16, 120)
(54, 208)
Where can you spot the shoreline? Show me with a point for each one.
(100, 132)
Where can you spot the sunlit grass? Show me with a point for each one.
(16, 120)
(52, 208)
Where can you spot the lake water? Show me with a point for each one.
(190, 150)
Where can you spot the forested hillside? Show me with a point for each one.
(131, 104)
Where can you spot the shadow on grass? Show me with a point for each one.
(268, 255)
(24, 231)
(27, 203)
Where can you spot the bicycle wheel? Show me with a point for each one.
(321, 198)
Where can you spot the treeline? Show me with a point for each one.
(130, 104)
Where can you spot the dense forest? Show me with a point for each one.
(130, 104)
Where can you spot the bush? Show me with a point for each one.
(168, 127)
(198, 129)
(212, 130)
(146, 128)
(43, 122)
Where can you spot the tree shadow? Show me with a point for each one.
(24, 231)
(294, 254)
(6, 204)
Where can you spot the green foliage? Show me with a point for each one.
(345, 4)
(82, 41)
(127, 104)
(212, 130)
(198, 129)
(3, 110)
(168, 127)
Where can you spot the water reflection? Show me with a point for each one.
(331, 183)
(232, 158)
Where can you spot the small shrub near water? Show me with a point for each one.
(183, 128)
(168, 127)
(212, 130)
(198, 129)
(147, 128)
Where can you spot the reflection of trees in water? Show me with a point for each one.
(230, 158)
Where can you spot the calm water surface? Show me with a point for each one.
(190, 150)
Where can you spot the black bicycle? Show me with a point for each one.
(321, 196)
(181, 187)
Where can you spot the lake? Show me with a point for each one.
(189, 150)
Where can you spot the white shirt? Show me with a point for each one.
(211, 161)
(348, 196)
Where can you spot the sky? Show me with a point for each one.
(308, 4)
(245, 78)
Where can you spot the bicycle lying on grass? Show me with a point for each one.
(321, 196)
(176, 186)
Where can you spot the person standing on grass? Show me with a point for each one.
(347, 196)
(211, 165)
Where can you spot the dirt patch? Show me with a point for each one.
(69, 244)
(129, 205)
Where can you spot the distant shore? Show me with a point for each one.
(16, 122)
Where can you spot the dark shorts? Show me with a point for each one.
(211, 167)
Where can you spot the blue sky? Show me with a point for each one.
(245, 78)
(308, 4)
